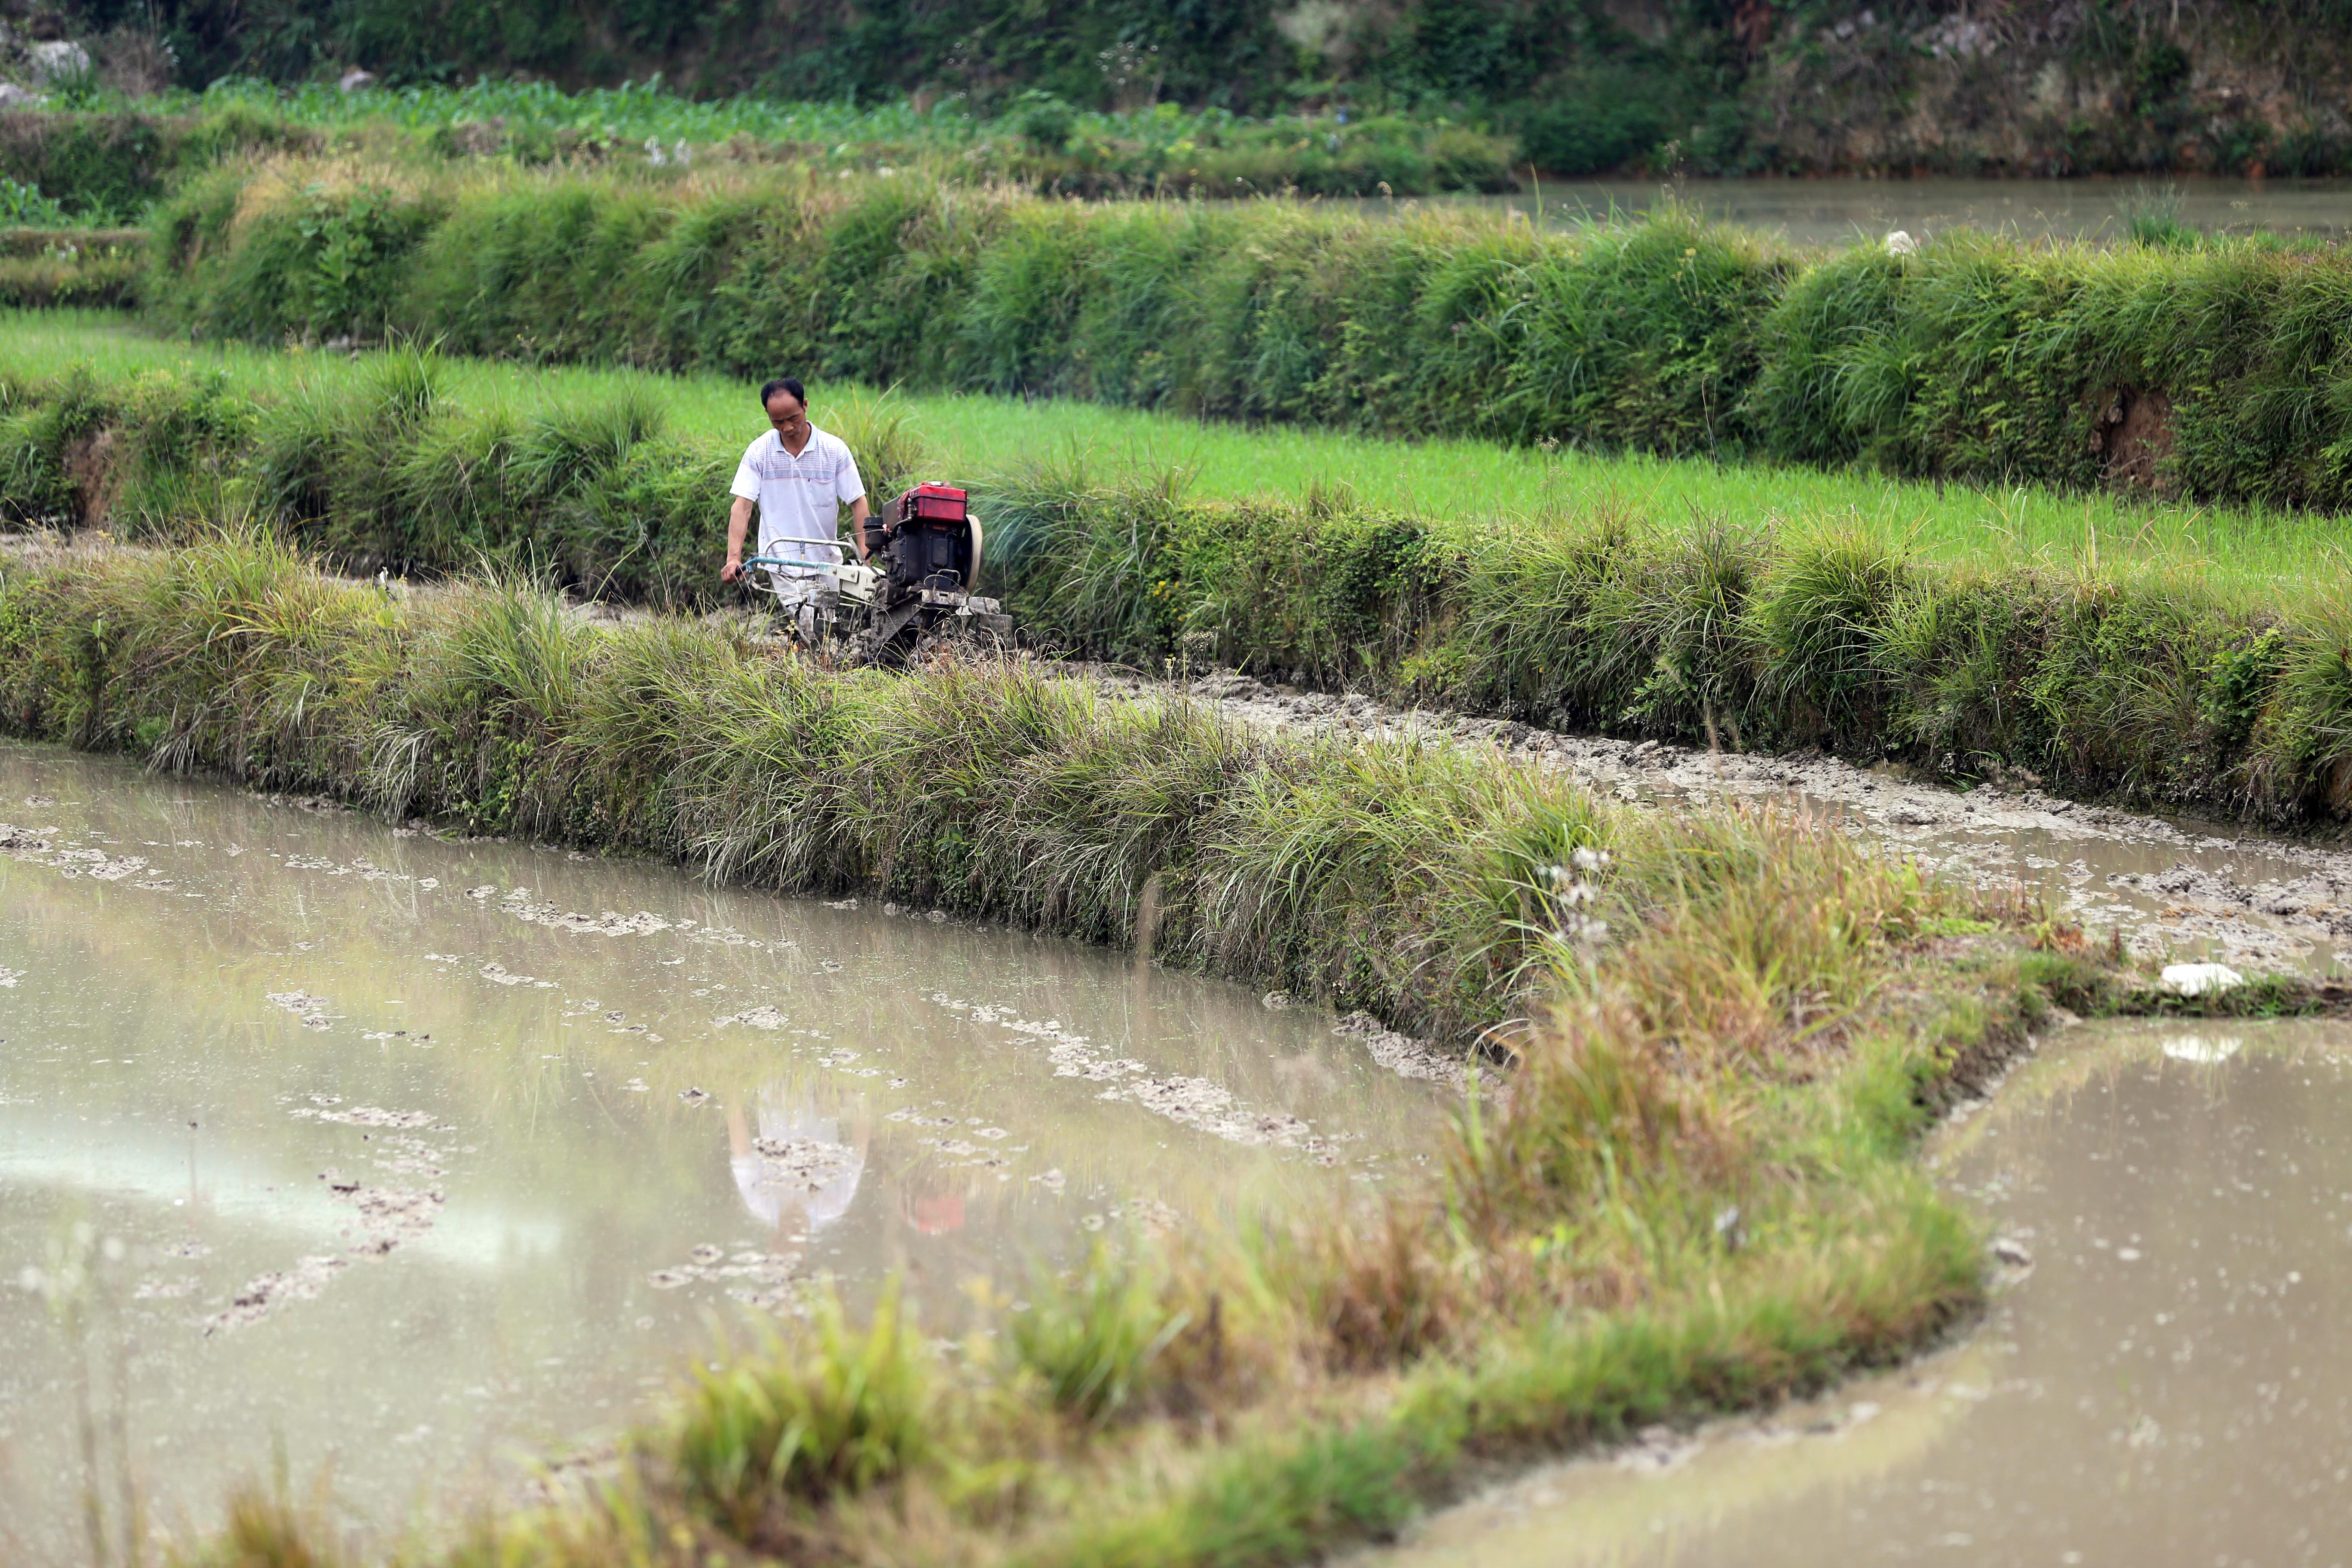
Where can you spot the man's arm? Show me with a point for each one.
(739, 520)
(858, 513)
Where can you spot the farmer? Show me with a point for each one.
(799, 475)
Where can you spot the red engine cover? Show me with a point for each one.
(932, 502)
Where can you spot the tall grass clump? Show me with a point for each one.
(1100, 1340)
(828, 1411)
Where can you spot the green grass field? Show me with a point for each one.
(2251, 558)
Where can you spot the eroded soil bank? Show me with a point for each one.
(2158, 1380)
(424, 1155)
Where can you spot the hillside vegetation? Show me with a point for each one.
(2037, 87)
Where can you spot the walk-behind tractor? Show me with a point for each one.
(917, 589)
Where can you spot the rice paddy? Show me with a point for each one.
(2251, 558)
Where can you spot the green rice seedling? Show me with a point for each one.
(822, 1413)
(1096, 1339)
(567, 447)
(293, 458)
(2306, 730)
(457, 484)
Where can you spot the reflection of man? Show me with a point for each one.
(799, 1160)
(799, 477)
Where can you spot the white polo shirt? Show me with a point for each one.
(799, 498)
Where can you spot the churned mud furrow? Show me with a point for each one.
(2167, 888)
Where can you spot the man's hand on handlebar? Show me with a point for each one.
(733, 569)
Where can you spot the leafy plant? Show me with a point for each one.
(23, 205)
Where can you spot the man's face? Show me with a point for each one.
(784, 411)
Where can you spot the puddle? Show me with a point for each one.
(419, 1156)
(2160, 1380)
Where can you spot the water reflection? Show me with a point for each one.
(424, 1156)
(798, 1172)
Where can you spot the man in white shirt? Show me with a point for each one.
(799, 477)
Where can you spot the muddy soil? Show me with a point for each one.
(2171, 888)
(2160, 1380)
(424, 1156)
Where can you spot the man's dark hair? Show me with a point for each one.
(785, 384)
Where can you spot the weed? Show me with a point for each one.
(824, 1413)
(1097, 1338)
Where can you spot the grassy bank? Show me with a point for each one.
(2134, 663)
(1728, 1031)
(44, 268)
(2202, 373)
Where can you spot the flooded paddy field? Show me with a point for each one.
(2160, 1380)
(405, 1159)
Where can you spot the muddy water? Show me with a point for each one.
(2162, 1378)
(418, 1155)
(1839, 212)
